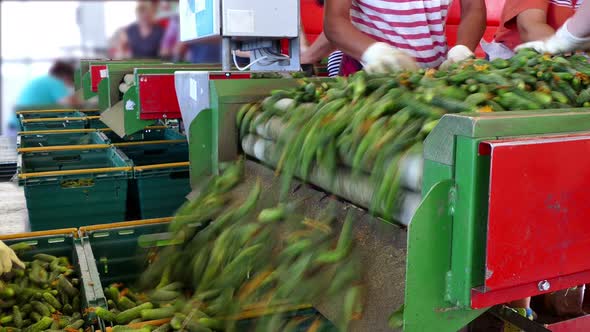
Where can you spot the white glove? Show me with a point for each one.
(561, 42)
(456, 54)
(7, 258)
(383, 58)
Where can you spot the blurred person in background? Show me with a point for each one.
(54, 88)
(171, 47)
(141, 40)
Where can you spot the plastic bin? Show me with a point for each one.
(161, 177)
(121, 252)
(74, 186)
(94, 122)
(60, 138)
(63, 242)
(50, 119)
(148, 134)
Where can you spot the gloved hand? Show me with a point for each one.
(456, 54)
(561, 42)
(383, 58)
(8, 258)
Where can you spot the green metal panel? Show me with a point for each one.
(131, 120)
(433, 173)
(203, 161)
(439, 144)
(87, 92)
(469, 222)
(429, 249)
(213, 133)
(77, 79)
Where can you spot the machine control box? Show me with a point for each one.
(206, 19)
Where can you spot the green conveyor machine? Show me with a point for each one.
(483, 182)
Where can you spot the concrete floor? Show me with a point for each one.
(13, 209)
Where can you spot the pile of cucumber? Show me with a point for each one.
(42, 297)
(366, 126)
(240, 256)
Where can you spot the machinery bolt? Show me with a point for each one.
(544, 285)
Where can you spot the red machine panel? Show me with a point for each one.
(97, 73)
(539, 210)
(157, 95)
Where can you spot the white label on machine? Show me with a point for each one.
(193, 89)
(129, 105)
(103, 73)
(200, 5)
(239, 21)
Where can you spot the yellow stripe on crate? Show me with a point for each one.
(45, 111)
(157, 166)
(81, 118)
(57, 111)
(63, 231)
(172, 141)
(124, 224)
(74, 172)
(55, 131)
(63, 148)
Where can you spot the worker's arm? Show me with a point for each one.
(473, 23)
(471, 29)
(123, 50)
(573, 35)
(320, 49)
(341, 33)
(532, 25)
(375, 56)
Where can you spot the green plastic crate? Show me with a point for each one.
(60, 139)
(63, 243)
(161, 179)
(74, 115)
(147, 135)
(51, 200)
(122, 252)
(95, 123)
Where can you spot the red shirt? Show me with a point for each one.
(558, 11)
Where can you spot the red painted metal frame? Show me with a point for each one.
(97, 73)
(157, 96)
(571, 325)
(538, 213)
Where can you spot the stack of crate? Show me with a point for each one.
(75, 173)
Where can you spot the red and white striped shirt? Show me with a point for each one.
(414, 26)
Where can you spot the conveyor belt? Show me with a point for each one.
(379, 244)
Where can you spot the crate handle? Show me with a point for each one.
(67, 159)
(101, 234)
(54, 125)
(180, 175)
(56, 240)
